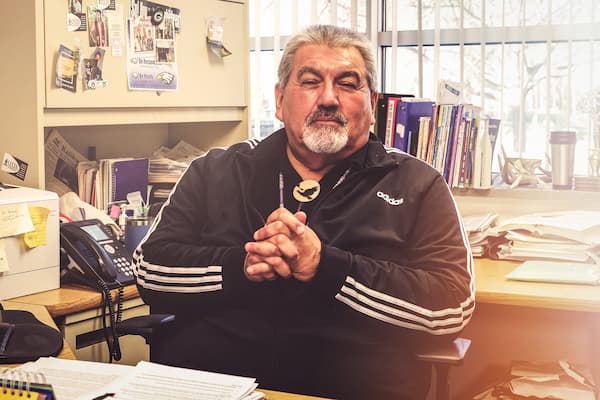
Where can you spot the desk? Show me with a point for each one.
(512, 320)
(492, 288)
(526, 320)
(41, 314)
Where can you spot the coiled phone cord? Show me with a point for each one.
(110, 332)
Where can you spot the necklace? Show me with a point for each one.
(307, 190)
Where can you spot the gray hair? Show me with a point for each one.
(332, 36)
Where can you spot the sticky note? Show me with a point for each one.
(39, 218)
(14, 220)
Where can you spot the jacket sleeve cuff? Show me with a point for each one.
(332, 271)
(234, 280)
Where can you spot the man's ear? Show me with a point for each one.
(278, 102)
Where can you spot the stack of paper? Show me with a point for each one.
(567, 236)
(551, 381)
(542, 380)
(84, 380)
(478, 228)
(167, 165)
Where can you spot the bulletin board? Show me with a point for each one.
(203, 79)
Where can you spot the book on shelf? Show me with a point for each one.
(390, 123)
(408, 114)
(441, 136)
(469, 116)
(423, 140)
(381, 112)
(484, 153)
(481, 153)
(451, 151)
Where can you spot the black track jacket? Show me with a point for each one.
(395, 271)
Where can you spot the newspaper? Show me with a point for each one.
(167, 165)
(61, 164)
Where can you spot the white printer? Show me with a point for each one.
(36, 269)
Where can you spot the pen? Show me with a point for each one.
(103, 396)
(280, 189)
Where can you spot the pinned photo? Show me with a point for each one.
(76, 19)
(97, 27)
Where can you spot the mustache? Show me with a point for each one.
(336, 115)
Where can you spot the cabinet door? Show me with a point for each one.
(204, 80)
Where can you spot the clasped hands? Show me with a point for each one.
(285, 246)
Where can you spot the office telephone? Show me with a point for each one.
(99, 260)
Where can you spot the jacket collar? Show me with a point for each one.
(373, 154)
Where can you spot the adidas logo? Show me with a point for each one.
(390, 200)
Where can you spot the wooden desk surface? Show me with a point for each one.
(492, 287)
(42, 314)
(71, 299)
(273, 395)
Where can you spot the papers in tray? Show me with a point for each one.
(556, 272)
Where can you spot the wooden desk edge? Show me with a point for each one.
(274, 395)
(71, 299)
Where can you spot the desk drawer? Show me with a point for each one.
(83, 331)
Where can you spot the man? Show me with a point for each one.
(315, 260)
(98, 32)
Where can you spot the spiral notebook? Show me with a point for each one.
(16, 384)
(127, 176)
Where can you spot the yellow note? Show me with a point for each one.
(3, 257)
(39, 218)
(12, 394)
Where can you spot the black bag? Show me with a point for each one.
(24, 338)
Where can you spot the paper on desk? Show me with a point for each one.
(150, 381)
(76, 380)
(555, 389)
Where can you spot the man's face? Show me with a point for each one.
(326, 106)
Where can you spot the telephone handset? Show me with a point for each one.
(99, 259)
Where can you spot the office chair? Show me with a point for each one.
(442, 357)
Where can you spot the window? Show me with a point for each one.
(271, 23)
(535, 64)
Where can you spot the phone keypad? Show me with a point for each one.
(124, 265)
